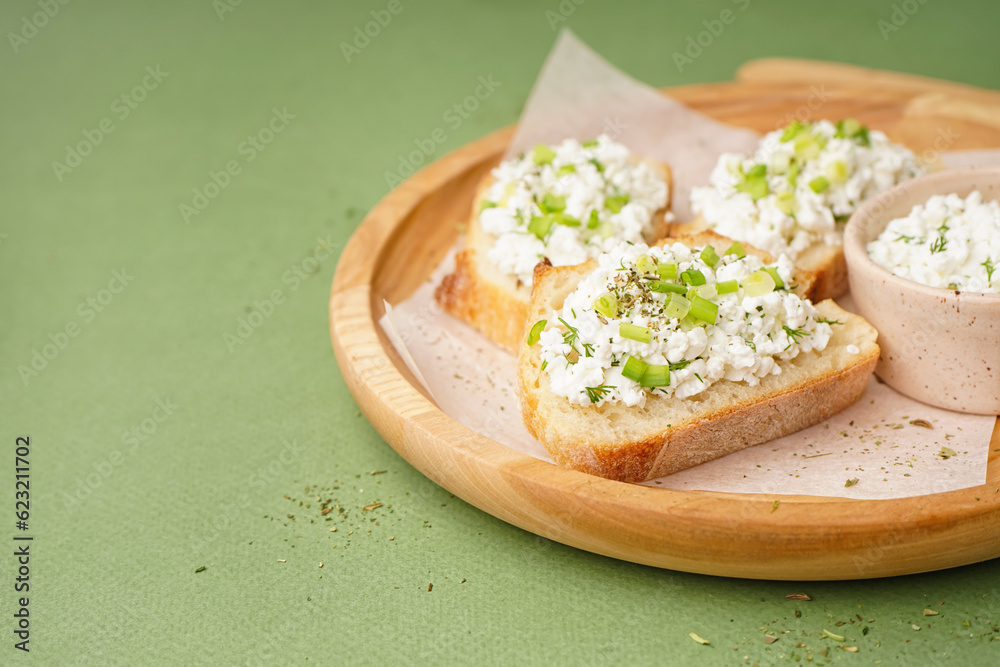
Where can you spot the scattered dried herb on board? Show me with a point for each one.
(200, 569)
(851, 482)
(697, 638)
(922, 423)
(798, 596)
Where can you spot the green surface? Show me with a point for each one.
(129, 498)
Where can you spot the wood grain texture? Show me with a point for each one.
(739, 535)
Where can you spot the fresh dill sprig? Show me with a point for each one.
(990, 268)
(597, 393)
(794, 334)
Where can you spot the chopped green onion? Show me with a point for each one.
(704, 310)
(590, 144)
(485, 204)
(773, 272)
(552, 203)
(726, 287)
(615, 204)
(676, 307)
(706, 291)
(566, 169)
(709, 256)
(837, 171)
(542, 155)
(793, 174)
(736, 249)
(597, 164)
(634, 369)
(645, 264)
(757, 188)
(758, 283)
(667, 288)
(848, 127)
(656, 375)
(536, 332)
(606, 230)
(785, 202)
(819, 184)
(807, 146)
(757, 171)
(564, 219)
(792, 131)
(667, 270)
(607, 305)
(633, 332)
(861, 136)
(593, 220)
(540, 225)
(693, 277)
(780, 163)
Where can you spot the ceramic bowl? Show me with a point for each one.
(939, 346)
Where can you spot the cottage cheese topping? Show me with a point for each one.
(623, 334)
(568, 203)
(948, 242)
(802, 185)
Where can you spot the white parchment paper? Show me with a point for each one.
(580, 95)
(875, 449)
(874, 442)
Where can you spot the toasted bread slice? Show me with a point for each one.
(669, 434)
(825, 262)
(492, 301)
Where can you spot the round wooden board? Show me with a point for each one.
(739, 535)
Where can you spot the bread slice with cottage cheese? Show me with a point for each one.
(492, 301)
(826, 263)
(802, 183)
(668, 434)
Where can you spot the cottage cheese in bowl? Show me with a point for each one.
(921, 263)
(949, 242)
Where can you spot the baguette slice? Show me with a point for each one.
(492, 301)
(825, 262)
(670, 434)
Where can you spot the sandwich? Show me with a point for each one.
(796, 193)
(649, 360)
(565, 203)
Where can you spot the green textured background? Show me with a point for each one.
(121, 524)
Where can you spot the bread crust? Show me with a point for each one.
(494, 303)
(825, 262)
(671, 434)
